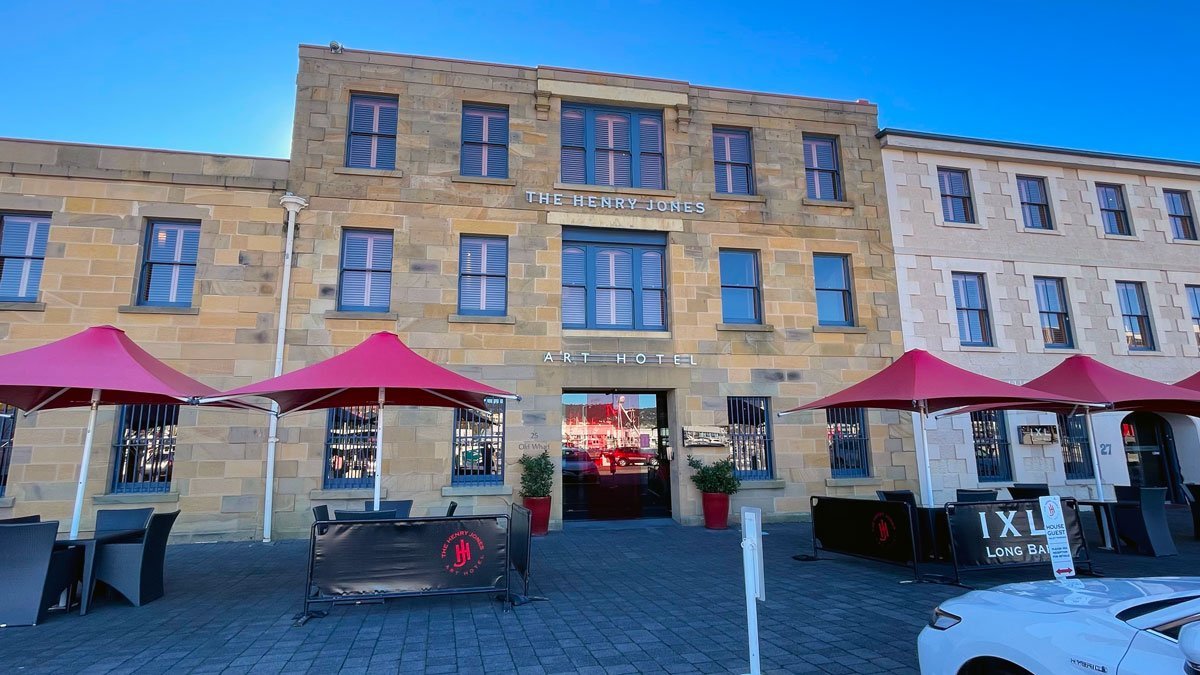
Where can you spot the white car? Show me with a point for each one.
(1112, 626)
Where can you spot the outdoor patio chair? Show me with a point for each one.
(1029, 490)
(1144, 524)
(365, 515)
(982, 495)
(1127, 493)
(451, 509)
(321, 513)
(115, 520)
(135, 569)
(33, 575)
(905, 496)
(402, 507)
(1194, 491)
(20, 519)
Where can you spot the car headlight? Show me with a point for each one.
(941, 619)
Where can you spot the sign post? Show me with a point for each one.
(1061, 560)
(752, 565)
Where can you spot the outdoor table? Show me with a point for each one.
(89, 545)
(1106, 521)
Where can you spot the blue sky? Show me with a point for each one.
(219, 76)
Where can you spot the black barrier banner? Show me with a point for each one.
(871, 529)
(353, 559)
(989, 534)
(520, 539)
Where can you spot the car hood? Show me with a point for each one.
(1053, 597)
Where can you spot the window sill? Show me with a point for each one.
(865, 481)
(362, 316)
(151, 309)
(592, 332)
(722, 196)
(827, 202)
(1186, 242)
(1120, 237)
(7, 502)
(978, 348)
(354, 493)
(23, 306)
(747, 327)
(138, 498)
(482, 180)
(381, 173)
(583, 187)
(1035, 230)
(471, 318)
(965, 226)
(477, 491)
(839, 329)
(769, 484)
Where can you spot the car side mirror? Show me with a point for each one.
(1189, 644)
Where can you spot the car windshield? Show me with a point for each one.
(1131, 613)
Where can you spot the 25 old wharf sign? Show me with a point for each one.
(616, 202)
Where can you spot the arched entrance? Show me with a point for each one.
(1150, 453)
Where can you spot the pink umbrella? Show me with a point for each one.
(1192, 382)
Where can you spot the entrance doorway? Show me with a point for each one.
(1150, 453)
(615, 462)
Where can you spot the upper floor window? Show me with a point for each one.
(479, 444)
(740, 291)
(835, 301)
(1035, 203)
(483, 275)
(957, 206)
(485, 141)
(993, 461)
(1054, 314)
(1112, 209)
(821, 168)
(350, 448)
(144, 448)
(372, 139)
(1179, 208)
(849, 442)
(610, 146)
(732, 161)
(614, 280)
(169, 264)
(970, 302)
(366, 281)
(1076, 446)
(22, 252)
(1193, 293)
(8, 428)
(1135, 314)
(751, 446)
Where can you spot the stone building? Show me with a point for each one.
(1009, 258)
(655, 267)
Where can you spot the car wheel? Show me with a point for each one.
(992, 666)
(622, 462)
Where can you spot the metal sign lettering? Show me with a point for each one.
(621, 358)
(623, 203)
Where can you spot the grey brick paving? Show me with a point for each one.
(637, 600)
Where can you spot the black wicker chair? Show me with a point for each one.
(970, 495)
(451, 509)
(115, 520)
(135, 569)
(365, 515)
(33, 575)
(20, 519)
(402, 507)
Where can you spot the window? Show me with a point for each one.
(849, 442)
(1193, 293)
(970, 301)
(1076, 446)
(483, 276)
(614, 280)
(479, 444)
(350, 448)
(731, 159)
(835, 302)
(144, 448)
(1136, 315)
(8, 427)
(1112, 209)
(22, 252)
(366, 281)
(740, 291)
(608, 146)
(750, 443)
(1179, 208)
(990, 431)
(956, 196)
(821, 170)
(484, 141)
(1052, 308)
(169, 265)
(1035, 204)
(372, 140)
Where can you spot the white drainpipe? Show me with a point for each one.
(293, 204)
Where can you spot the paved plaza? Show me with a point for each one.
(660, 599)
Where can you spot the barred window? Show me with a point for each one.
(849, 442)
(8, 426)
(144, 448)
(750, 441)
(990, 431)
(350, 448)
(479, 444)
(1076, 446)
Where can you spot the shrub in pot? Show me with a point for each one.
(537, 479)
(716, 481)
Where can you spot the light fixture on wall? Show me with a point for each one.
(336, 47)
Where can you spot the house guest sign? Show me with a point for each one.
(620, 358)
(605, 202)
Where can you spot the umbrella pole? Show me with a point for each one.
(1087, 415)
(269, 488)
(83, 464)
(923, 460)
(378, 448)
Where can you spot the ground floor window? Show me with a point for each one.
(144, 448)
(1076, 446)
(479, 444)
(992, 458)
(8, 426)
(750, 441)
(350, 448)
(849, 442)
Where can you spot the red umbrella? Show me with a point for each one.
(1192, 382)
(380, 371)
(99, 365)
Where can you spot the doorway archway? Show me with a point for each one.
(1150, 454)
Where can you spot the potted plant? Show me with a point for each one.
(537, 479)
(716, 482)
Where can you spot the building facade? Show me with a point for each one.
(1009, 258)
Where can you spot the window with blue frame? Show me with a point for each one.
(732, 161)
(849, 440)
(993, 460)
(612, 146)
(1076, 446)
(614, 279)
(479, 444)
(144, 448)
(1135, 315)
(483, 276)
(751, 444)
(1193, 293)
(835, 300)
(350, 448)
(22, 252)
(821, 168)
(741, 292)
(970, 302)
(169, 264)
(366, 278)
(484, 141)
(371, 141)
